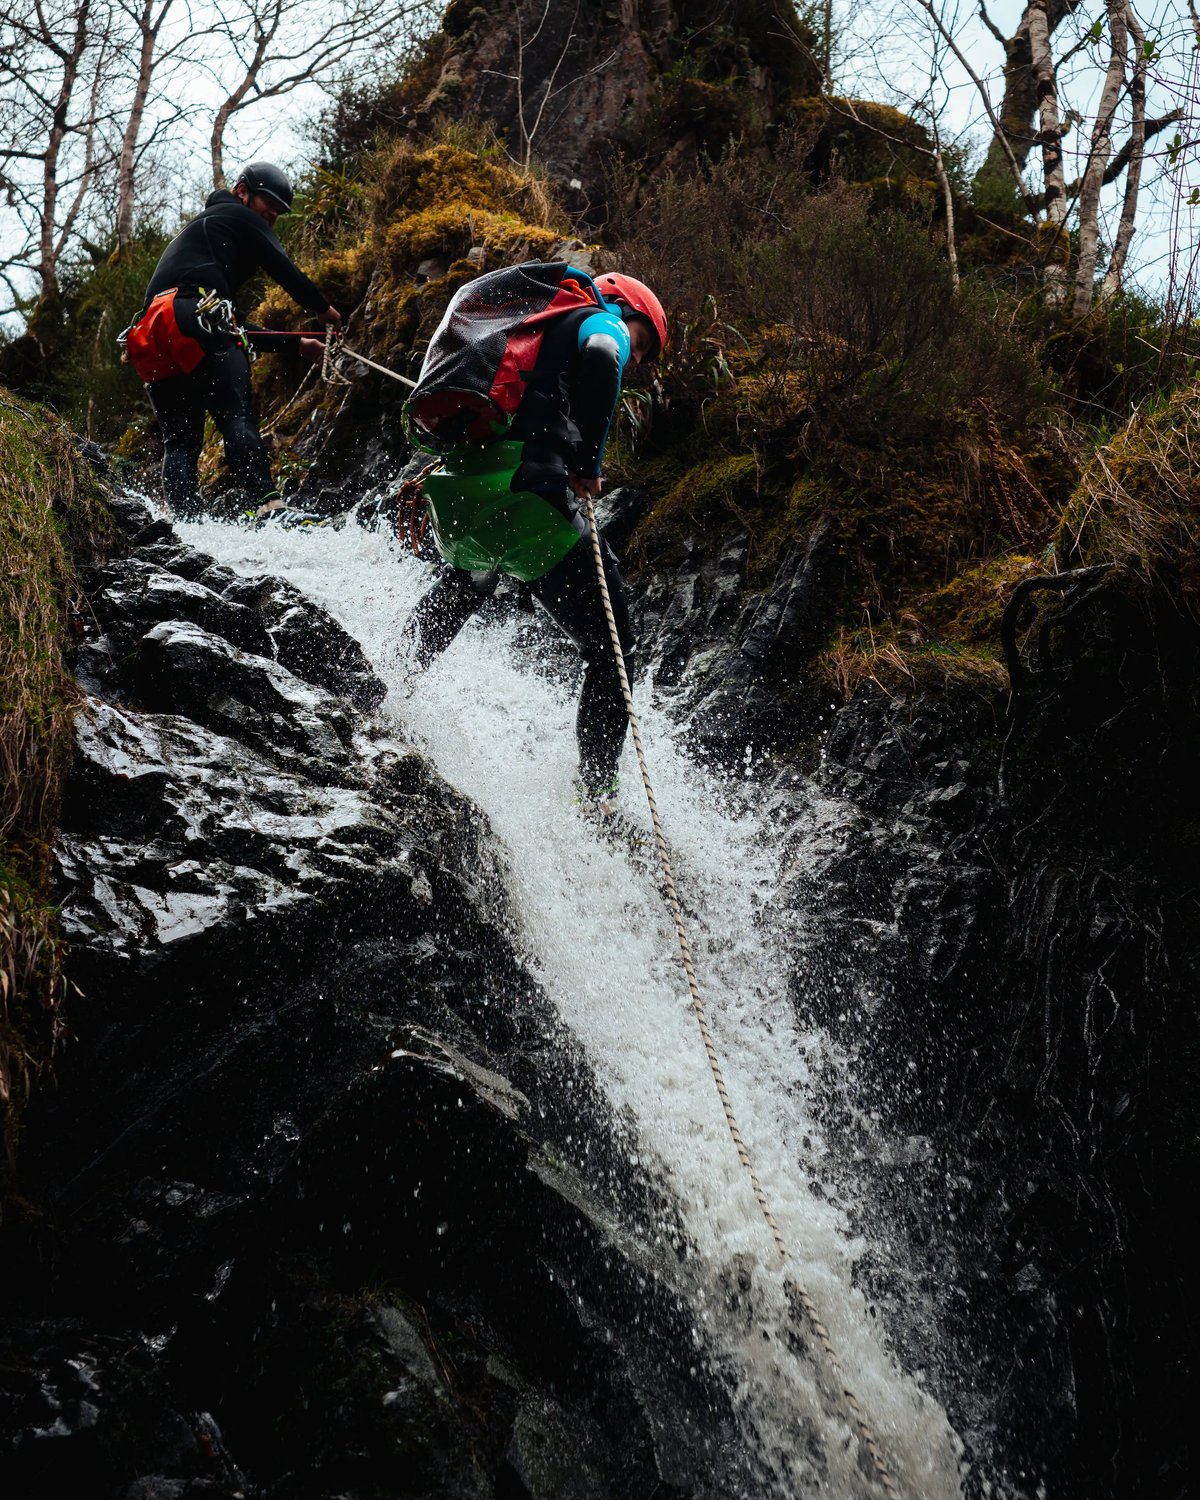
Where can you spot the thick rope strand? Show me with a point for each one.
(810, 1310)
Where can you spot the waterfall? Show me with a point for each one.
(497, 720)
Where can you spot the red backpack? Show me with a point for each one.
(156, 346)
(479, 360)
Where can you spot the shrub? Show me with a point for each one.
(69, 357)
(855, 327)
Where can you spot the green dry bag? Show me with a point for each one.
(482, 524)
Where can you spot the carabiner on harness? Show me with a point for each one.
(217, 315)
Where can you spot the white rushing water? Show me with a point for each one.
(598, 935)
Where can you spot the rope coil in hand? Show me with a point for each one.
(882, 1472)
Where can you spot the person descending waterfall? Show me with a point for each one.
(517, 393)
(192, 347)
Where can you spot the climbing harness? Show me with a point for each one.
(882, 1472)
(155, 345)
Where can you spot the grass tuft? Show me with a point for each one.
(1137, 503)
(52, 519)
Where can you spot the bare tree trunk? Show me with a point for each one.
(1137, 153)
(1050, 138)
(87, 128)
(264, 34)
(301, 41)
(47, 264)
(1020, 102)
(149, 29)
(1093, 177)
(939, 166)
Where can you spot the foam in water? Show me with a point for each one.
(601, 940)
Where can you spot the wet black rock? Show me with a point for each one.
(309, 1212)
(729, 657)
(307, 640)
(161, 581)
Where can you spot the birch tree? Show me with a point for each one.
(159, 61)
(1061, 100)
(1098, 156)
(1051, 130)
(53, 65)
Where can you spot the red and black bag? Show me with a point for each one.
(479, 360)
(157, 347)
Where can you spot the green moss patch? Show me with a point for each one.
(903, 661)
(726, 483)
(407, 203)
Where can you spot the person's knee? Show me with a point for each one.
(484, 584)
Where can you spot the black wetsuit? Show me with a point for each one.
(563, 420)
(219, 251)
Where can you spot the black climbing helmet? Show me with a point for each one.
(262, 177)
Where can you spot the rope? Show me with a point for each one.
(336, 351)
(330, 373)
(864, 1430)
(412, 518)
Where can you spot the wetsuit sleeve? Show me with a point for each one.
(280, 267)
(603, 351)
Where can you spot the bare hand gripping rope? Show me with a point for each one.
(864, 1430)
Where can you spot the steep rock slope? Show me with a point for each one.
(310, 1223)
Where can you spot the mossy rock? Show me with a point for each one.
(450, 230)
(432, 176)
(966, 612)
(718, 485)
(903, 661)
(714, 113)
(869, 142)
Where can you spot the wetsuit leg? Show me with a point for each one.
(570, 593)
(227, 373)
(443, 611)
(179, 404)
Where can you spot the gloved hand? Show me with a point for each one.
(585, 487)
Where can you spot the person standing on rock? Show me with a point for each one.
(193, 349)
(517, 392)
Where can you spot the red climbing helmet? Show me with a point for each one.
(638, 298)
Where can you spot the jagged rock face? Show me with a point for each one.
(307, 1192)
(562, 81)
(314, 1224)
(572, 86)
